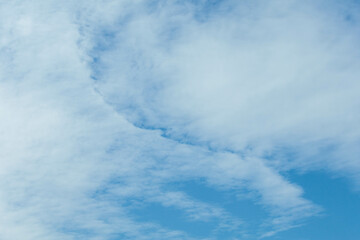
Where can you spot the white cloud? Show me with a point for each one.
(262, 76)
(240, 83)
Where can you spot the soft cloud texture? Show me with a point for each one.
(106, 105)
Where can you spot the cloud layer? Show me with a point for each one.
(106, 106)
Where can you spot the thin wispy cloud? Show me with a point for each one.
(111, 112)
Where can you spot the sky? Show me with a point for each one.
(179, 119)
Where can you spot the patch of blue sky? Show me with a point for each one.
(341, 216)
(172, 218)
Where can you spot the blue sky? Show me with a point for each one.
(160, 119)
